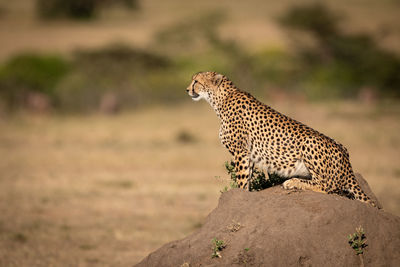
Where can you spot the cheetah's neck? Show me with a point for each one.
(217, 100)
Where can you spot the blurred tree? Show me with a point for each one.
(345, 61)
(3, 11)
(77, 9)
(316, 18)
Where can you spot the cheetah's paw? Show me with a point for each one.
(293, 183)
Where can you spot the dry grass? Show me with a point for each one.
(104, 191)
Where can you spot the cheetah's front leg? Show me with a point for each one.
(243, 169)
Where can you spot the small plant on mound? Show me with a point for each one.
(235, 226)
(231, 171)
(218, 246)
(357, 242)
(259, 181)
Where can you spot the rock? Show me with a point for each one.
(275, 227)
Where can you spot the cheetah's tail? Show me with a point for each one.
(357, 193)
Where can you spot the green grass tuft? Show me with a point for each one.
(218, 246)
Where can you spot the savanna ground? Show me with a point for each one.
(107, 190)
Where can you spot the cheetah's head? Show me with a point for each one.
(204, 85)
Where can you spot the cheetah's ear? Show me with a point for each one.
(217, 79)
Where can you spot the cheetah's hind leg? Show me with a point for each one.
(302, 184)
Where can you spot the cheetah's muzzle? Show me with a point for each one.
(195, 95)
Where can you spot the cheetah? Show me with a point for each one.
(258, 136)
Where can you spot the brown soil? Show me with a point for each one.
(275, 227)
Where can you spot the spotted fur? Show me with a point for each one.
(258, 136)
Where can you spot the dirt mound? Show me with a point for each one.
(276, 227)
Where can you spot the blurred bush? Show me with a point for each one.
(77, 9)
(27, 74)
(339, 64)
(129, 76)
(332, 64)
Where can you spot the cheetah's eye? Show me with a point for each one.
(197, 83)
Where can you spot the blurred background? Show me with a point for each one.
(104, 157)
